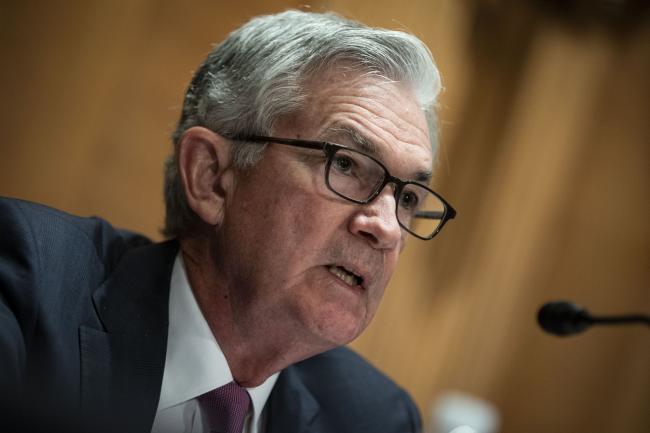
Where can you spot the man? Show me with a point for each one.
(281, 245)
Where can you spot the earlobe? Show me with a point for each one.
(204, 165)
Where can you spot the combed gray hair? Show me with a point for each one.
(258, 74)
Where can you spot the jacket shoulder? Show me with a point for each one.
(344, 367)
(353, 395)
(42, 231)
(50, 263)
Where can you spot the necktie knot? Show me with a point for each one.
(225, 408)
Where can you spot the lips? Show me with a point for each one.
(345, 275)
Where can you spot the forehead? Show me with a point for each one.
(377, 116)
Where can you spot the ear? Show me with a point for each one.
(204, 160)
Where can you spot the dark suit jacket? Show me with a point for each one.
(83, 335)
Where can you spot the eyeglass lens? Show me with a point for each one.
(358, 177)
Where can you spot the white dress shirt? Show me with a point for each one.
(195, 365)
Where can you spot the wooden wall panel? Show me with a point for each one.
(92, 91)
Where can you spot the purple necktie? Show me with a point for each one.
(224, 408)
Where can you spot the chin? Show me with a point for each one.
(337, 329)
(335, 317)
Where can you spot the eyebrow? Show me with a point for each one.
(423, 176)
(351, 135)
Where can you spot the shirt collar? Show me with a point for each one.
(194, 363)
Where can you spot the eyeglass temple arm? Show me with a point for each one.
(434, 215)
(288, 141)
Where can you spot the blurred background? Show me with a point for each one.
(545, 153)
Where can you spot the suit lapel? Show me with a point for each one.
(122, 364)
(292, 407)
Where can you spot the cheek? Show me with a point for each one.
(301, 216)
(284, 233)
(284, 224)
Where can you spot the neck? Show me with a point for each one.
(256, 341)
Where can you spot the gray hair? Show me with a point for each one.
(258, 75)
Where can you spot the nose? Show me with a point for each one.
(376, 222)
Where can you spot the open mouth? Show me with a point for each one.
(348, 277)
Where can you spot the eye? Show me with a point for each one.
(342, 163)
(409, 200)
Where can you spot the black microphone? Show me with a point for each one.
(566, 318)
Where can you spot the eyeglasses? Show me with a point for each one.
(360, 178)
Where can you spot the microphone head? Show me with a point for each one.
(562, 318)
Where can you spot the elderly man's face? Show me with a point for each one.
(291, 244)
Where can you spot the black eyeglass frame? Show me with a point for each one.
(330, 150)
